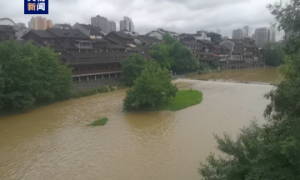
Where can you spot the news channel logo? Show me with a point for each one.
(36, 6)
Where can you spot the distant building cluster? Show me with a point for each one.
(261, 35)
(96, 50)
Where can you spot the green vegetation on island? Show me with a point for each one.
(270, 151)
(100, 122)
(151, 89)
(182, 100)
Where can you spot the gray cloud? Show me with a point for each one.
(176, 15)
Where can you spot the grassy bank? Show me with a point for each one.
(98, 90)
(183, 99)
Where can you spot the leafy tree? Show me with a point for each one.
(132, 68)
(160, 52)
(288, 16)
(31, 75)
(271, 151)
(151, 89)
(184, 60)
(273, 54)
(168, 39)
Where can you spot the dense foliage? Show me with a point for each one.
(269, 152)
(174, 55)
(31, 75)
(273, 54)
(132, 68)
(151, 89)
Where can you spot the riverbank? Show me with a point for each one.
(268, 75)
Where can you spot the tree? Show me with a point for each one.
(31, 75)
(183, 59)
(288, 16)
(168, 39)
(151, 89)
(160, 52)
(273, 54)
(271, 151)
(132, 68)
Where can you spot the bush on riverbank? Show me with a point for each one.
(30, 75)
(100, 122)
(182, 100)
(151, 89)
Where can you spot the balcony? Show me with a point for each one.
(96, 72)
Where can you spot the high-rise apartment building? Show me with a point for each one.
(102, 22)
(261, 36)
(112, 26)
(264, 35)
(272, 35)
(39, 23)
(126, 24)
(246, 32)
(237, 34)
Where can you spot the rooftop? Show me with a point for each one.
(7, 28)
(191, 43)
(148, 39)
(68, 33)
(42, 33)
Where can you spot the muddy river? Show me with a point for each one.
(55, 143)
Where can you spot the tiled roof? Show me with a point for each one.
(65, 25)
(89, 27)
(68, 33)
(148, 39)
(42, 33)
(206, 42)
(191, 43)
(123, 35)
(7, 28)
(102, 54)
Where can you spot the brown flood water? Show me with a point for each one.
(54, 143)
(267, 75)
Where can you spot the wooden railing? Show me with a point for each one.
(96, 72)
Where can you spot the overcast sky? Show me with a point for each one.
(174, 15)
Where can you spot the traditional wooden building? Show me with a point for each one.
(243, 54)
(61, 40)
(88, 66)
(194, 46)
